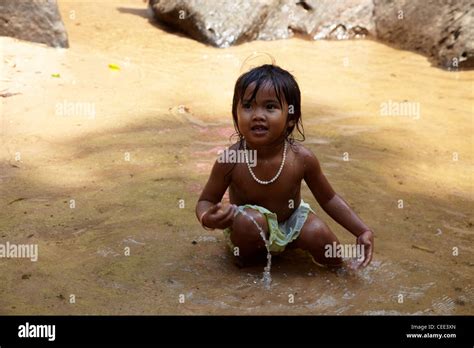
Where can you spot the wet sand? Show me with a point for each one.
(127, 145)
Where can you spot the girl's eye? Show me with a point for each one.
(271, 106)
(246, 105)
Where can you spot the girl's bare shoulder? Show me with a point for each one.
(225, 160)
(302, 152)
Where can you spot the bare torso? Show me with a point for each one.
(282, 196)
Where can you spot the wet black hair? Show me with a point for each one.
(284, 85)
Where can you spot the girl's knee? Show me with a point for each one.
(258, 217)
(246, 235)
(315, 234)
(327, 241)
(316, 237)
(245, 227)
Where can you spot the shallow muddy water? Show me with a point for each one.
(134, 147)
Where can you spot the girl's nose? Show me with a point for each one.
(258, 113)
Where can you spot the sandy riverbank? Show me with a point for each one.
(73, 133)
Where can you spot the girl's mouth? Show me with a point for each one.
(259, 130)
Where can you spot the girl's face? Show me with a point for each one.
(262, 121)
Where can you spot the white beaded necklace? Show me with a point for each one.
(252, 173)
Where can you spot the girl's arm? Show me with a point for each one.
(208, 206)
(335, 206)
(330, 201)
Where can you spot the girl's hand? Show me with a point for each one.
(367, 240)
(219, 216)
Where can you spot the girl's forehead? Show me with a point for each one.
(265, 91)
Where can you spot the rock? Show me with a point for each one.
(33, 20)
(323, 19)
(219, 23)
(228, 22)
(441, 29)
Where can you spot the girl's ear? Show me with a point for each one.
(291, 123)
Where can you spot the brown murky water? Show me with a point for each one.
(127, 145)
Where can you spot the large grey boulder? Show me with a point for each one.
(441, 29)
(219, 23)
(319, 19)
(227, 22)
(33, 20)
